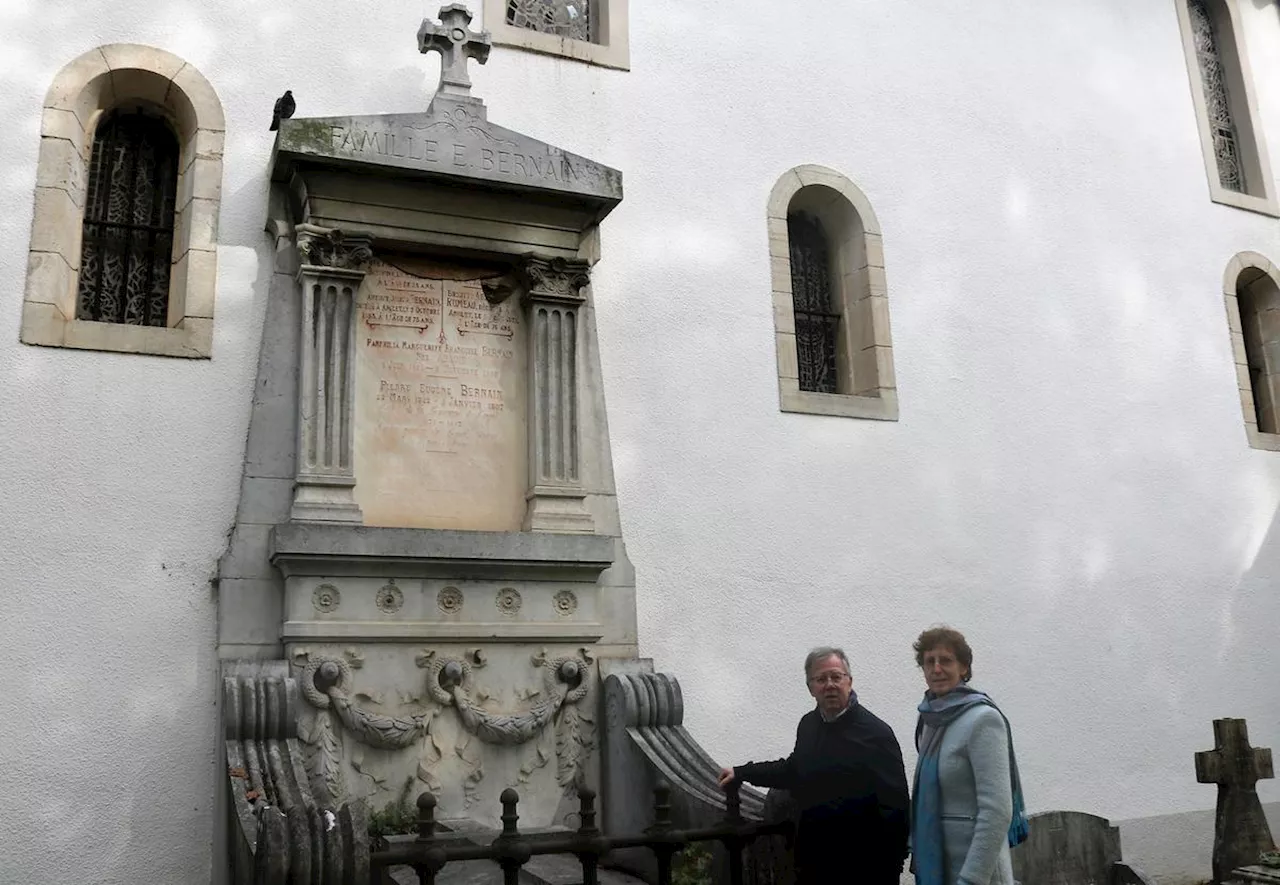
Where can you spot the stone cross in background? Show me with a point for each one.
(456, 43)
(1241, 833)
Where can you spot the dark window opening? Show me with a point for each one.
(128, 221)
(817, 325)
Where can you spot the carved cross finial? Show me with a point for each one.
(456, 43)
(1241, 833)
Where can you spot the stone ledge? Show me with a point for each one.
(879, 408)
(299, 548)
(440, 631)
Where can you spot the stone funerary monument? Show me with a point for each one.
(426, 584)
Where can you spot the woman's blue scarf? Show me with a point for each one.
(926, 806)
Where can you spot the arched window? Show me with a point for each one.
(124, 237)
(831, 307)
(1252, 291)
(127, 243)
(1222, 92)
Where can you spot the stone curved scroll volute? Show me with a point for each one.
(283, 830)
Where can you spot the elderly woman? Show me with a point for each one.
(966, 783)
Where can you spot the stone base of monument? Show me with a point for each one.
(288, 824)
(1254, 874)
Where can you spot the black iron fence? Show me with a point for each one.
(428, 854)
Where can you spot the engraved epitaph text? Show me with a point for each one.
(440, 411)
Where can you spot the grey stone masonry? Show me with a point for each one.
(452, 140)
(485, 608)
(300, 549)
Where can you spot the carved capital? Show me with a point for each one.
(330, 247)
(557, 279)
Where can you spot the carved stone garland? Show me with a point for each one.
(327, 686)
(565, 685)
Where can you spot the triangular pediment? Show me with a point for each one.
(452, 141)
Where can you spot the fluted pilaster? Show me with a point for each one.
(328, 281)
(553, 299)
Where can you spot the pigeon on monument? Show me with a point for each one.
(284, 109)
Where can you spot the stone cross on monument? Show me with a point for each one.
(1240, 833)
(456, 43)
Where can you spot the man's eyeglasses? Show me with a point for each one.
(825, 678)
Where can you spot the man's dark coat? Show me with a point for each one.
(849, 784)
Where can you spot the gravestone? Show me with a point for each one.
(426, 585)
(427, 571)
(1241, 833)
(1072, 848)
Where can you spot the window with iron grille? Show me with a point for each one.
(817, 324)
(564, 18)
(128, 221)
(1217, 97)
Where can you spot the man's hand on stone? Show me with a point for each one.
(727, 777)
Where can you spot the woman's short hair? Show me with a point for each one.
(936, 637)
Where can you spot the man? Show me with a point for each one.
(847, 778)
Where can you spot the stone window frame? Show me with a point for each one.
(1261, 195)
(1238, 267)
(91, 85)
(861, 292)
(613, 50)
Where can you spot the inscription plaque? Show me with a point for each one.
(440, 432)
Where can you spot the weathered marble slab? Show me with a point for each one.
(453, 139)
(441, 401)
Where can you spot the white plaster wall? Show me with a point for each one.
(1069, 483)
(120, 476)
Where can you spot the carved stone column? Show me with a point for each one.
(552, 296)
(328, 281)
